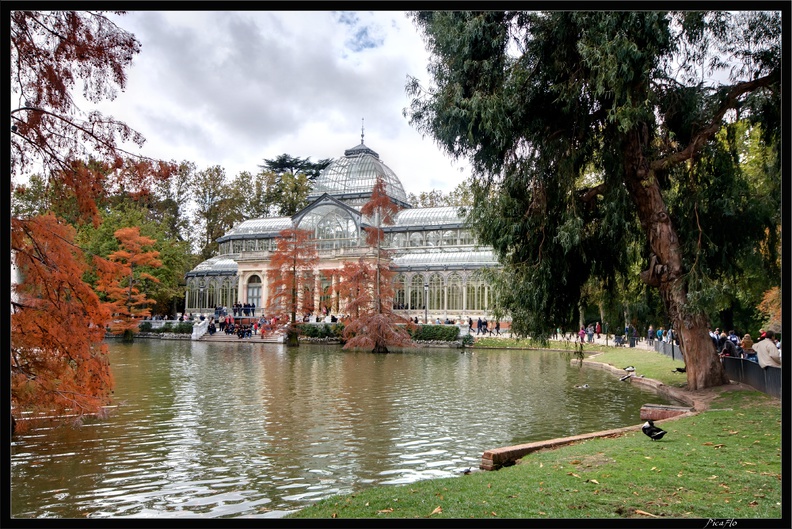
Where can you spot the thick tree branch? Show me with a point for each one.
(705, 133)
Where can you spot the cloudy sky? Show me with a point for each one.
(232, 88)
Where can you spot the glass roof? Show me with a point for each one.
(263, 226)
(357, 172)
(219, 265)
(468, 259)
(427, 217)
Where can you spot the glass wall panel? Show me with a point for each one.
(475, 294)
(254, 290)
(417, 292)
(433, 238)
(400, 292)
(455, 292)
(416, 239)
(465, 237)
(435, 292)
(398, 240)
(449, 238)
(211, 295)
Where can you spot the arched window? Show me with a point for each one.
(416, 239)
(201, 301)
(399, 292)
(417, 292)
(466, 237)
(211, 295)
(436, 292)
(332, 226)
(449, 238)
(227, 292)
(399, 240)
(475, 294)
(254, 290)
(455, 292)
(433, 238)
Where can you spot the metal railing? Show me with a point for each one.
(764, 379)
(767, 380)
(669, 349)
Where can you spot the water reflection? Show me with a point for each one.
(241, 429)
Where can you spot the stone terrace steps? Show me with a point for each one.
(256, 338)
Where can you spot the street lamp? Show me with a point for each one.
(426, 302)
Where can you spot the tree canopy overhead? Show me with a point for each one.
(591, 132)
(59, 363)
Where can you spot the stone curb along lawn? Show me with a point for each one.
(506, 456)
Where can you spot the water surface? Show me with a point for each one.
(250, 429)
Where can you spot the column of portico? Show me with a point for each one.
(317, 293)
(264, 290)
(334, 305)
(464, 295)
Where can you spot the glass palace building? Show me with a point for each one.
(435, 258)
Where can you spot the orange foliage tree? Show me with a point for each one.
(125, 273)
(291, 265)
(368, 287)
(58, 361)
(770, 306)
(59, 364)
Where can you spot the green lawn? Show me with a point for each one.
(721, 463)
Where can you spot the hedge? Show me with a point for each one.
(322, 331)
(435, 333)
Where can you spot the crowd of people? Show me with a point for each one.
(766, 351)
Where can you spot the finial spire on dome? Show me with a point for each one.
(361, 131)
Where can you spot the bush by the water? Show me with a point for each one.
(435, 333)
(183, 327)
(322, 331)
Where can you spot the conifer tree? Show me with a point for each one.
(585, 131)
(294, 257)
(368, 287)
(59, 363)
(124, 276)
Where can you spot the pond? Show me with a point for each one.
(257, 430)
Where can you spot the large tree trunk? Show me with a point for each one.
(665, 271)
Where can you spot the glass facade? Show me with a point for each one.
(428, 246)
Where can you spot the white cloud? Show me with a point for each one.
(233, 88)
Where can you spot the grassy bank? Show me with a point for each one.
(721, 463)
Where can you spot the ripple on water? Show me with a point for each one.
(256, 434)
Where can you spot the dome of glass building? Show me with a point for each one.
(352, 177)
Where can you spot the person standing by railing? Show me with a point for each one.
(767, 352)
(748, 350)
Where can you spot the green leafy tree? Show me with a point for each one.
(460, 196)
(286, 164)
(169, 203)
(281, 188)
(218, 208)
(581, 126)
(174, 254)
